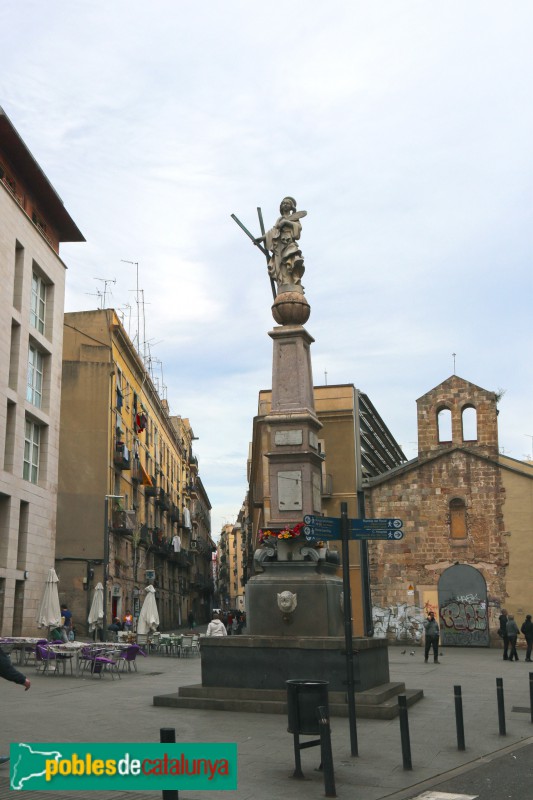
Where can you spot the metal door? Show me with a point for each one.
(463, 607)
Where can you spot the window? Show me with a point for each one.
(444, 424)
(458, 529)
(34, 388)
(38, 302)
(469, 424)
(32, 444)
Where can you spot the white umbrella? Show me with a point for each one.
(96, 614)
(149, 616)
(49, 615)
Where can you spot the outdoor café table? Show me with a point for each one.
(22, 645)
(170, 643)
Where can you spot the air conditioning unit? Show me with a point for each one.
(149, 575)
(194, 544)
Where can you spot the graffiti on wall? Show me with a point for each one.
(464, 617)
(402, 622)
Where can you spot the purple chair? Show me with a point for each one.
(129, 656)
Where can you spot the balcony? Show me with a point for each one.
(136, 474)
(123, 521)
(121, 456)
(174, 513)
(162, 500)
(151, 491)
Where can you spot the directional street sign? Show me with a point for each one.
(321, 528)
(388, 523)
(328, 528)
(391, 535)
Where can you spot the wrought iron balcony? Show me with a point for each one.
(121, 456)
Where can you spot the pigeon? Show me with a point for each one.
(403, 652)
(412, 653)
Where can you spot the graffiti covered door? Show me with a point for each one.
(463, 607)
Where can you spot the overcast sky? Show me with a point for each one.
(403, 128)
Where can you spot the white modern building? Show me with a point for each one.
(33, 222)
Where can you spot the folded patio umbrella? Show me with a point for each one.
(49, 615)
(96, 614)
(149, 616)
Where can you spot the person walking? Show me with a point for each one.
(190, 620)
(502, 633)
(9, 673)
(431, 627)
(527, 630)
(216, 627)
(512, 635)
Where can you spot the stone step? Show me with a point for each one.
(381, 704)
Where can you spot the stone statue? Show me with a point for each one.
(286, 263)
(287, 602)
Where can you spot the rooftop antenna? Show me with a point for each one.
(105, 281)
(98, 294)
(453, 356)
(326, 376)
(529, 436)
(136, 265)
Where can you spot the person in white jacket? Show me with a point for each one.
(216, 627)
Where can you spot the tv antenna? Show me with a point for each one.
(105, 281)
(137, 300)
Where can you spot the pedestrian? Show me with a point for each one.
(512, 635)
(527, 630)
(128, 621)
(216, 627)
(190, 620)
(66, 622)
(9, 673)
(431, 627)
(502, 633)
(229, 622)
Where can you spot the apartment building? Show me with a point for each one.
(119, 441)
(33, 223)
(231, 589)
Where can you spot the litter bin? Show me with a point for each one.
(303, 699)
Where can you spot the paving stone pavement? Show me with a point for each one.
(67, 709)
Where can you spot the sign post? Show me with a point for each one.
(348, 628)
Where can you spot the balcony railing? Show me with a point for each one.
(123, 521)
(121, 456)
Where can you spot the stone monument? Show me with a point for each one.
(294, 602)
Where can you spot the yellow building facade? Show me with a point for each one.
(118, 440)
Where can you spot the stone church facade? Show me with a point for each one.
(467, 513)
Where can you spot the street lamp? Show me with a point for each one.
(107, 498)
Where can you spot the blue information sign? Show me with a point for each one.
(328, 528)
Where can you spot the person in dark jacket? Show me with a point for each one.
(512, 635)
(527, 630)
(502, 632)
(431, 627)
(9, 673)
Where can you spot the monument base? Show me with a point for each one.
(248, 674)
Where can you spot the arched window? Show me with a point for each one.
(469, 424)
(458, 528)
(444, 424)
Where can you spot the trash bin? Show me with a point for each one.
(303, 699)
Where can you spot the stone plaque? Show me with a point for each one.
(313, 440)
(288, 437)
(317, 492)
(290, 491)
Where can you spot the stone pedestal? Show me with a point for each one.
(318, 595)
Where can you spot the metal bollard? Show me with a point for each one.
(326, 752)
(168, 736)
(404, 730)
(459, 723)
(531, 694)
(501, 706)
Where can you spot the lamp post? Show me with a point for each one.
(107, 498)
